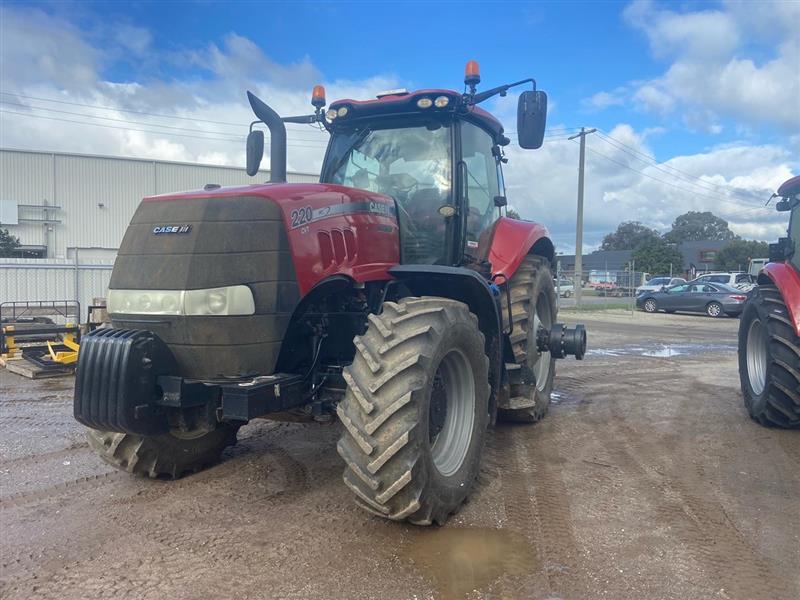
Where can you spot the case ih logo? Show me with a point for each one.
(172, 229)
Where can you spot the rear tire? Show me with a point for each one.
(533, 303)
(165, 455)
(714, 309)
(416, 410)
(769, 360)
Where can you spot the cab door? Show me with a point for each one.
(481, 183)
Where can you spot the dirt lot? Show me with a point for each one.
(647, 480)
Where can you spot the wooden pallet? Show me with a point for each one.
(30, 370)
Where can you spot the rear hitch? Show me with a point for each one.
(562, 341)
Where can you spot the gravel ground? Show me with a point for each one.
(646, 480)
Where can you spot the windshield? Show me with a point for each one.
(659, 281)
(413, 165)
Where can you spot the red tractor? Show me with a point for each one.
(393, 293)
(769, 331)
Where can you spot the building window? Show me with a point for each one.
(708, 256)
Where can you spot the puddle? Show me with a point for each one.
(462, 560)
(662, 350)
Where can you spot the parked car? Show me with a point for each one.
(740, 280)
(656, 283)
(564, 287)
(713, 299)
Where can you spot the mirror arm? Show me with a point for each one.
(502, 89)
(303, 119)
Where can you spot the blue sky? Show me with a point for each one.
(691, 98)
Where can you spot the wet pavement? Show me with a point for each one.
(646, 480)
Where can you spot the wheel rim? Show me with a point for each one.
(541, 369)
(452, 413)
(650, 306)
(756, 357)
(714, 310)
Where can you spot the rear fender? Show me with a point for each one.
(467, 286)
(787, 280)
(512, 240)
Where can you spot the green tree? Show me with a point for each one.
(628, 236)
(738, 253)
(696, 226)
(8, 243)
(512, 214)
(656, 255)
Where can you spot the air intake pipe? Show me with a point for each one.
(277, 140)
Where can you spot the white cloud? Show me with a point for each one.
(46, 56)
(602, 100)
(542, 184)
(732, 181)
(740, 61)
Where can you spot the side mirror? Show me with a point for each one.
(255, 151)
(531, 119)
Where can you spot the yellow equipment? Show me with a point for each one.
(67, 357)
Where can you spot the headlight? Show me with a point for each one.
(231, 300)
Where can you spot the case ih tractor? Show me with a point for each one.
(769, 331)
(392, 293)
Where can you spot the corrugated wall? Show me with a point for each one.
(81, 184)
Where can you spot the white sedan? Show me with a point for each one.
(656, 283)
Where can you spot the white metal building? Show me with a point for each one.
(70, 212)
(55, 202)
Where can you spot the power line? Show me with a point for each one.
(125, 110)
(200, 137)
(159, 125)
(165, 116)
(716, 198)
(667, 169)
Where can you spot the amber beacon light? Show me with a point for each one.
(472, 73)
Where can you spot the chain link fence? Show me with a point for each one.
(599, 289)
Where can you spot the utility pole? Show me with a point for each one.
(579, 224)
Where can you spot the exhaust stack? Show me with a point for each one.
(277, 139)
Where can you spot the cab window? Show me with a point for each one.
(482, 183)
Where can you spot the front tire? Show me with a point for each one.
(650, 305)
(416, 410)
(533, 304)
(169, 455)
(769, 360)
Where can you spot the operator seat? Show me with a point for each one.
(425, 234)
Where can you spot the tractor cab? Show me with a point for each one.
(435, 153)
(789, 248)
(442, 169)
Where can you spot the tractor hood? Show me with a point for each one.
(278, 240)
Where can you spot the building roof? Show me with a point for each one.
(606, 260)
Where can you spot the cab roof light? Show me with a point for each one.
(424, 103)
(397, 92)
(318, 96)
